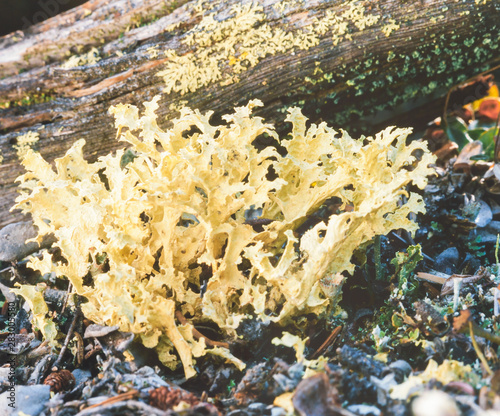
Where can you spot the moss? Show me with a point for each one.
(469, 42)
(29, 100)
(454, 64)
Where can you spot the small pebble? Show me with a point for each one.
(81, 376)
(278, 411)
(364, 410)
(13, 246)
(434, 403)
(29, 400)
(447, 261)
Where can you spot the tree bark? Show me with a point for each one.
(358, 65)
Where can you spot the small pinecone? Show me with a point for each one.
(165, 398)
(60, 380)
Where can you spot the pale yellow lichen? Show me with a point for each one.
(285, 5)
(136, 239)
(448, 371)
(39, 309)
(153, 52)
(177, 105)
(390, 27)
(285, 401)
(88, 58)
(356, 14)
(203, 5)
(232, 45)
(25, 142)
(293, 341)
(172, 27)
(299, 345)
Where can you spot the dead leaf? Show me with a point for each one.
(315, 396)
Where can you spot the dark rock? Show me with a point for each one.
(315, 396)
(359, 361)
(447, 261)
(29, 400)
(13, 246)
(400, 368)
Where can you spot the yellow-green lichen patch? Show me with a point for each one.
(356, 14)
(226, 43)
(224, 47)
(153, 51)
(91, 57)
(338, 24)
(39, 309)
(25, 143)
(283, 6)
(389, 27)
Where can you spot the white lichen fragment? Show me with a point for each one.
(180, 207)
(89, 58)
(222, 47)
(25, 143)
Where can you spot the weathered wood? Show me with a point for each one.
(355, 64)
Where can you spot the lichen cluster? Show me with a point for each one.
(89, 58)
(226, 43)
(169, 230)
(232, 45)
(25, 142)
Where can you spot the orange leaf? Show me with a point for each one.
(489, 108)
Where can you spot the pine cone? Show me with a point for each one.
(165, 398)
(60, 380)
